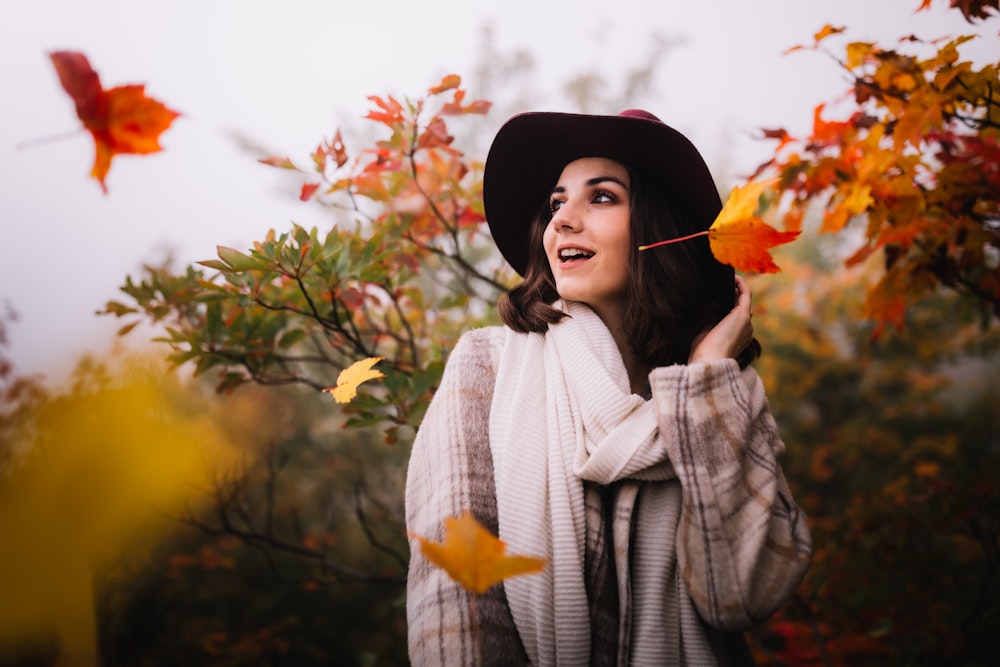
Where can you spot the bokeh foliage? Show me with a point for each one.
(893, 433)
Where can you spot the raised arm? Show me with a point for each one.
(743, 544)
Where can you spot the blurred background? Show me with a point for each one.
(148, 520)
(281, 77)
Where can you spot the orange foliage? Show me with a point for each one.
(121, 119)
(473, 557)
(741, 239)
(971, 9)
(738, 237)
(915, 162)
(884, 462)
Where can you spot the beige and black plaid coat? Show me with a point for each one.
(740, 544)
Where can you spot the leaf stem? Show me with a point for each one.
(676, 240)
(37, 141)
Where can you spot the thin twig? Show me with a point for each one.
(401, 559)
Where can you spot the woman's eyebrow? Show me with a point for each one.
(602, 179)
(597, 180)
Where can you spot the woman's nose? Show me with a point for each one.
(568, 217)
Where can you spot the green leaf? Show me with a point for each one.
(416, 413)
(397, 384)
(128, 327)
(229, 382)
(212, 295)
(279, 162)
(175, 336)
(183, 356)
(292, 337)
(117, 309)
(215, 264)
(427, 378)
(238, 260)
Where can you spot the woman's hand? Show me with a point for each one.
(730, 336)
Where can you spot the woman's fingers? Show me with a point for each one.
(743, 297)
(731, 335)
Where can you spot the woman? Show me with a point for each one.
(613, 426)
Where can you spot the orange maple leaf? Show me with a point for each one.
(352, 376)
(473, 557)
(738, 237)
(121, 119)
(449, 82)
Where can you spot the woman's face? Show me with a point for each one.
(587, 241)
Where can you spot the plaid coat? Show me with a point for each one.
(740, 545)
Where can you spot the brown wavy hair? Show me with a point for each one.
(674, 292)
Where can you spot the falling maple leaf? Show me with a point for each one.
(352, 376)
(121, 119)
(474, 557)
(738, 237)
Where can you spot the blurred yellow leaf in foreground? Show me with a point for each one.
(100, 469)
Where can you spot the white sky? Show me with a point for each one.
(287, 73)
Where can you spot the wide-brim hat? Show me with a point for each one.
(530, 150)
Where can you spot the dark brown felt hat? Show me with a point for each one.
(531, 149)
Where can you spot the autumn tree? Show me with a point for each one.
(895, 426)
(911, 168)
(891, 451)
(407, 266)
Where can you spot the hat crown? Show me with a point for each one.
(640, 113)
(531, 149)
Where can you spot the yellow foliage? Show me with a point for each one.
(103, 468)
(858, 198)
(858, 53)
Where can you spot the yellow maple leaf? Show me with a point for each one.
(859, 198)
(474, 557)
(352, 376)
(738, 237)
(741, 239)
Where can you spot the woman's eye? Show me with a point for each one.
(555, 205)
(603, 197)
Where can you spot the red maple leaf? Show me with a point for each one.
(121, 119)
(738, 237)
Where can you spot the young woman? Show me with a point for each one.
(613, 426)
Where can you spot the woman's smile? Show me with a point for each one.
(587, 241)
(571, 255)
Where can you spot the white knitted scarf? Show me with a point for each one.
(563, 412)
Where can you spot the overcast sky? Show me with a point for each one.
(286, 74)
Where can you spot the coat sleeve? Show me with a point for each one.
(743, 545)
(451, 471)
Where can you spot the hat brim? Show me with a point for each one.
(531, 149)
